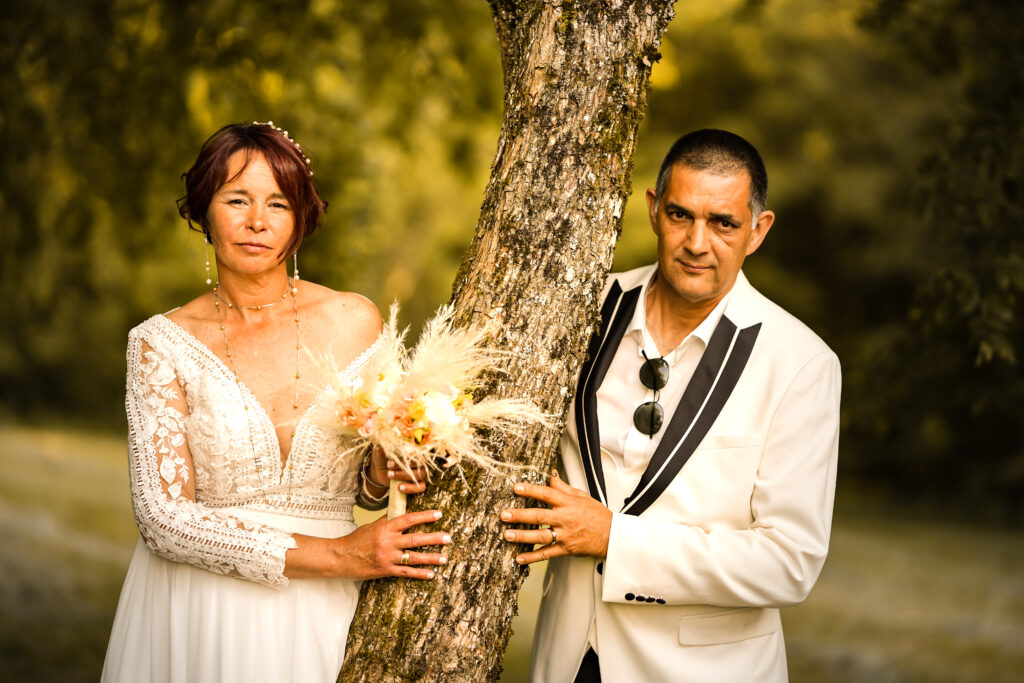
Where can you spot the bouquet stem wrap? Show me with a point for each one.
(396, 500)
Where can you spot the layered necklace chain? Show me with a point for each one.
(217, 301)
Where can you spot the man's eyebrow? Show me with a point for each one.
(672, 206)
(727, 217)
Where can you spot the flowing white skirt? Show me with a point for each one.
(176, 623)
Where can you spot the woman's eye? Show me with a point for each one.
(236, 202)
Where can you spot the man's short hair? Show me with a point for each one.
(719, 152)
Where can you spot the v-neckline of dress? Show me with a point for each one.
(247, 394)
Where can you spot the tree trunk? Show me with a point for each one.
(576, 78)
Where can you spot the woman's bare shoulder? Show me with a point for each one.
(344, 315)
(194, 314)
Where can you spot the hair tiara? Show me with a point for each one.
(297, 146)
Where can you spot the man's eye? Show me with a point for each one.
(726, 224)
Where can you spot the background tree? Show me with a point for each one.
(576, 77)
(950, 383)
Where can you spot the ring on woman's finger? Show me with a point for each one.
(554, 535)
(405, 558)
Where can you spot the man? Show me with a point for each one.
(700, 456)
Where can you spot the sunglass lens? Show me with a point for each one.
(654, 373)
(648, 417)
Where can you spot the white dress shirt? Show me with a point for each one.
(625, 450)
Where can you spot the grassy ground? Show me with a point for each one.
(898, 600)
(68, 535)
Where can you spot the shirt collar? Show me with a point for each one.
(644, 338)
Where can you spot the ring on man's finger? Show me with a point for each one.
(405, 558)
(554, 535)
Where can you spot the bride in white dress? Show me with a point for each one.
(249, 563)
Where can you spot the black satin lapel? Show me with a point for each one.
(585, 411)
(615, 333)
(713, 381)
(616, 312)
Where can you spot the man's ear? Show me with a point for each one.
(652, 209)
(761, 228)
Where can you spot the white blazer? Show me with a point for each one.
(730, 521)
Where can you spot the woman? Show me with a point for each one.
(249, 564)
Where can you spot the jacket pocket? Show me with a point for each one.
(728, 625)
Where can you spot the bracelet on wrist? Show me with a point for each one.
(367, 463)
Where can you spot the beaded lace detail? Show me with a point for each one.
(193, 470)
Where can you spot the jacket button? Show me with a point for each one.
(600, 567)
(661, 601)
(650, 599)
(630, 596)
(641, 598)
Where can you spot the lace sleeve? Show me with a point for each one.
(170, 520)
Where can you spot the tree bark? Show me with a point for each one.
(576, 77)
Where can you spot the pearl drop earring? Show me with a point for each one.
(206, 243)
(295, 273)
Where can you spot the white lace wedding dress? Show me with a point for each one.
(205, 598)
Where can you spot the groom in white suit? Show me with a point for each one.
(700, 457)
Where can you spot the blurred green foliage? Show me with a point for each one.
(891, 130)
(107, 102)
